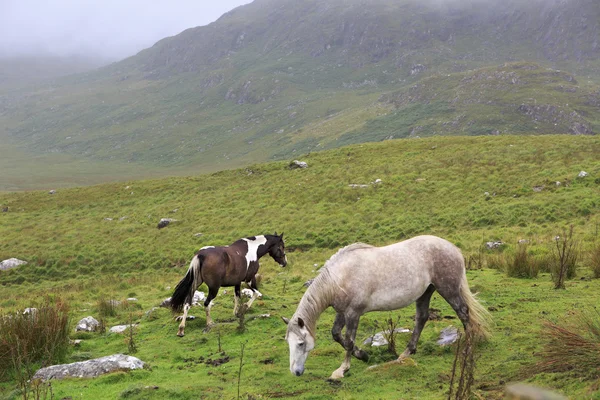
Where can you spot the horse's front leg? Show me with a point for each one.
(186, 308)
(348, 343)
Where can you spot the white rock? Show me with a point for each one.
(448, 336)
(88, 324)
(120, 328)
(90, 368)
(582, 174)
(198, 298)
(378, 339)
(11, 263)
(248, 293)
(30, 310)
(131, 299)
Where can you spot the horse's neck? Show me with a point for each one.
(316, 299)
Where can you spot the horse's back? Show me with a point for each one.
(393, 276)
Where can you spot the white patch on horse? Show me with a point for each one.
(252, 254)
(207, 247)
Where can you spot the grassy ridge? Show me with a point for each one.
(434, 185)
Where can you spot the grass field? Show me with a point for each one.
(429, 186)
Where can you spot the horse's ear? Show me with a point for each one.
(275, 234)
(300, 322)
(287, 321)
(281, 236)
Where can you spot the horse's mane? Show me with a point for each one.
(323, 290)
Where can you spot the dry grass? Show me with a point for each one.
(595, 261)
(574, 348)
(37, 337)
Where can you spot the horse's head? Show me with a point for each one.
(277, 249)
(301, 342)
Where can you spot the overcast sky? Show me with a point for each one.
(112, 29)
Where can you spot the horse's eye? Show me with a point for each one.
(300, 344)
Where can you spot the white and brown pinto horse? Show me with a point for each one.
(225, 266)
(361, 278)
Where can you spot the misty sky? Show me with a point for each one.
(111, 29)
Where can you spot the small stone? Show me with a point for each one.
(582, 174)
(297, 164)
(197, 234)
(120, 328)
(30, 311)
(52, 191)
(132, 299)
(164, 222)
(448, 336)
(379, 339)
(87, 324)
(11, 263)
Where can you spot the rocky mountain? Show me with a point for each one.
(276, 78)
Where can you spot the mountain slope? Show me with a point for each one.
(266, 78)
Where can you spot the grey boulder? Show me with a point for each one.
(90, 368)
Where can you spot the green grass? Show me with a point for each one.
(434, 186)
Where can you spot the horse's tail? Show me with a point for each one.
(184, 292)
(479, 318)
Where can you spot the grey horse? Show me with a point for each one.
(361, 278)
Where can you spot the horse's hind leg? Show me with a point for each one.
(236, 299)
(420, 319)
(451, 293)
(186, 308)
(255, 292)
(212, 293)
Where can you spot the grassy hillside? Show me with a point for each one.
(262, 81)
(433, 185)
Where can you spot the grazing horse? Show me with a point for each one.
(225, 266)
(360, 278)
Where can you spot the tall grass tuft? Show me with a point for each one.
(40, 337)
(107, 308)
(595, 261)
(522, 264)
(574, 348)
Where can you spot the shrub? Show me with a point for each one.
(565, 254)
(522, 265)
(38, 337)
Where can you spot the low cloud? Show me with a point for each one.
(107, 29)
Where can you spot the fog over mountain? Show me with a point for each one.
(108, 29)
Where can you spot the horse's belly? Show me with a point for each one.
(394, 297)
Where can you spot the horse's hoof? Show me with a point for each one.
(207, 328)
(180, 334)
(336, 375)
